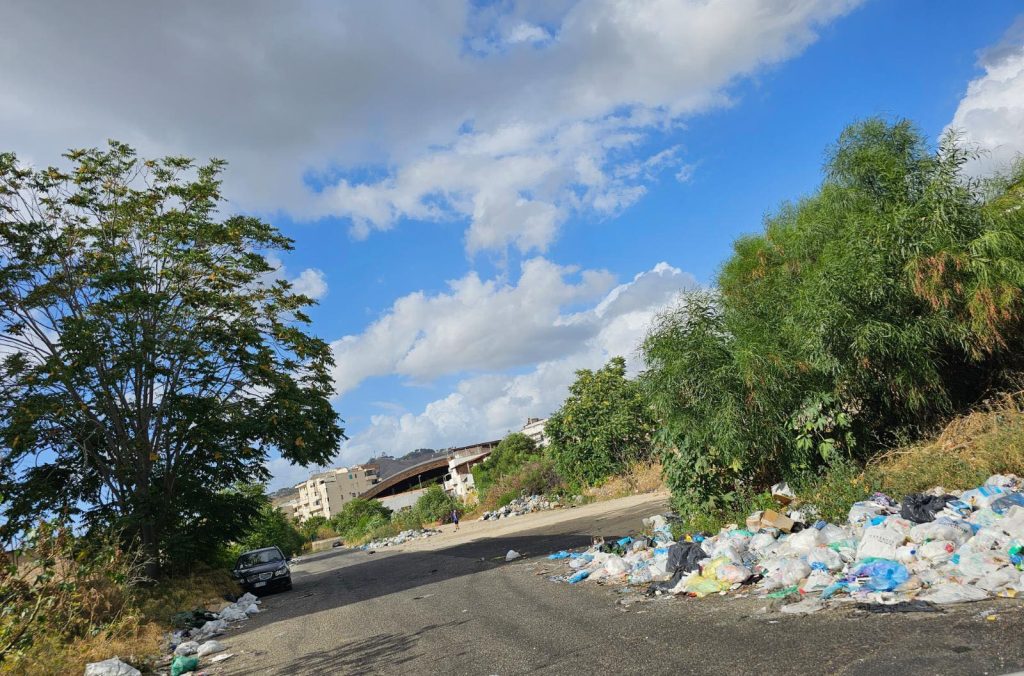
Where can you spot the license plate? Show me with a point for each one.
(260, 584)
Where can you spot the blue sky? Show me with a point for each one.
(488, 196)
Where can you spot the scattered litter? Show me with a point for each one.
(917, 606)
(221, 657)
(932, 549)
(112, 667)
(513, 555)
(209, 648)
(401, 538)
(183, 665)
(520, 506)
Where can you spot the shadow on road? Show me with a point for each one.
(365, 656)
(358, 576)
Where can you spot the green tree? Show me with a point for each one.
(152, 360)
(435, 504)
(271, 528)
(359, 516)
(311, 526)
(602, 427)
(514, 451)
(864, 313)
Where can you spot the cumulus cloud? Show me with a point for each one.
(509, 117)
(487, 405)
(310, 282)
(991, 114)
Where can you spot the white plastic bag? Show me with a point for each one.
(761, 541)
(788, 573)
(803, 542)
(732, 573)
(816, 581)
(187, 648)
(936, 552)
(233, 614)
(828, 557)
(861, 512)
(213, 627)
(111, 667)
(246, 599)
(209, 648)
(879, 542)
(512, 555)
(937, 530)
(615, 566)
(951, 592)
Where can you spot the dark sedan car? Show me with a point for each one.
(263, 570)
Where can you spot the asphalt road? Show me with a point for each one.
(453, 605)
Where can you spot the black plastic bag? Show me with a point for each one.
(683, 556)
(922, 508)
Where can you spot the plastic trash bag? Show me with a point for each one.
(861, 512)
(882, 574)
(951, 592)
(187, 648)
(999, 579)
(1001, 480)
(939, 529)
(906, 554)
(879, 542)
(558, 555)
(826, 557)
(983, 496)
(732, 573)
(183, 665)
(685, 556)
(761, 541)
(233, 614)
(922, 508)
(246, 599)
(1001, 505)
(803, 542)
(786, 573)
(833, 533)
(209, 648)
(111, 667)
(615, 566)
(512, 555)
(818, 580)
(578, 576)
(936, 552)
(213, 627)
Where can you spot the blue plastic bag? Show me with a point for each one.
(559, 555)
(883, 574)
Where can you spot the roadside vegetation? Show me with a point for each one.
(862, 319)
(870, 337)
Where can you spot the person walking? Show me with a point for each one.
(455, 519)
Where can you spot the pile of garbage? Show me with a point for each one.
(933, 548)
(520, 506)
(192, 642)
(401, 538)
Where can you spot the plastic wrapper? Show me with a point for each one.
(826, 557)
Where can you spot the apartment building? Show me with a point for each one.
(534, 428)
(325, 493)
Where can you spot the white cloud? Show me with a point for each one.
(488, 405)
(509, 117)
(476, 325)
(991, 113)
(310, 282)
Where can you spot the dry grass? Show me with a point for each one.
(133, 640)
(970, 449)
(640, 477)
(136, 635)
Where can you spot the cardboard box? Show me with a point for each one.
(772, 519)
